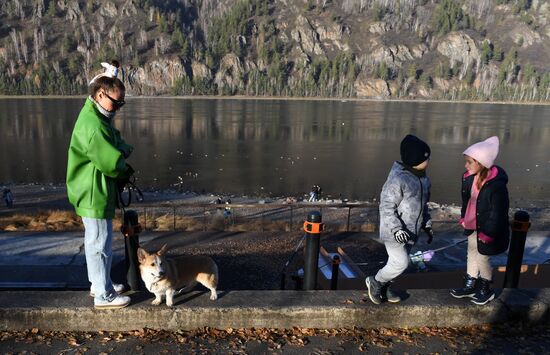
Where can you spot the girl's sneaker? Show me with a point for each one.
(484, 295)
(469, 289)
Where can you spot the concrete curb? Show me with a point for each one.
(72, 311)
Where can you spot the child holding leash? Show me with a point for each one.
(403, 212)
(484, 216)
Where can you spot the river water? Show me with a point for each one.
(283, 147)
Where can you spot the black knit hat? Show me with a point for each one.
(414, 151)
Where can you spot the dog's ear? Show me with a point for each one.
(142, 255)
(162, 250)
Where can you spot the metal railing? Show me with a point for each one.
(262, 217)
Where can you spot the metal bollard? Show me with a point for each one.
(335, 271)
(298, 282)
(520, 226)
(313, 228)
(131, 229)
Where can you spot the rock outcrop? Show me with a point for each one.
(306, 37)
(458, 47)
(371, 88)
(156, 77)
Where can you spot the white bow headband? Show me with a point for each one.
(110, 71)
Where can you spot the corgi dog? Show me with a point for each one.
(169, 276)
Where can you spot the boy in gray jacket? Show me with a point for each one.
(403, 212)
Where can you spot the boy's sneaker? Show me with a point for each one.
(374, 289)
(119, 288)
(388, 295)
(117, 302)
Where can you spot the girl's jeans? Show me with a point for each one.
(98, 241)
(398, 260)
(478, 265)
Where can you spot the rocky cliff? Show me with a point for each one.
(455, 49)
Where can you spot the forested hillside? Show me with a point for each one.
(438, 49)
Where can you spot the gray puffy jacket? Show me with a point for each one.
(403, 202)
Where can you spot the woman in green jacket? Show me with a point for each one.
(96, 161)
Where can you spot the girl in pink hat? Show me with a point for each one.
(484, 216)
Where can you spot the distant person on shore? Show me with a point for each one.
(403, 213)
(111, 70)
(484, 217)
(315, 193)
(96, 163)
(8, 197)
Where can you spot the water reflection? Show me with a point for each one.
(282, 147)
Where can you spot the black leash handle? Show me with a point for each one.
(131, 187)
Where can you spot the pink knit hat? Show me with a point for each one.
(484, 152)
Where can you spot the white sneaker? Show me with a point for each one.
(119, 288)
(118, 302)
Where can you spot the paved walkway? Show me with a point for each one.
(57, 260)
(71, 310)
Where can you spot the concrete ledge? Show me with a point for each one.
(73, 311)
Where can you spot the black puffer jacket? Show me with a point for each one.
(491, 213)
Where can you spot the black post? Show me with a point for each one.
(349, 213)
(131, 230)
(312, 227)
(298, 282)
(335, 270)
(520, 226)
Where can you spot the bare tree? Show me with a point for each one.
(86, 36)
(101, 23)
(24, 48)
(19, 9)
(479, 8)
(13, 35)
(143, 41)
(38, 9)
(12, 68)
(96, 35)
(36, 43)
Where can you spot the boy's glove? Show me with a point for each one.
(429, 231)
(427, 228)
(403, 236)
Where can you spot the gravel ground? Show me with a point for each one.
(496, 339)
(265, 253)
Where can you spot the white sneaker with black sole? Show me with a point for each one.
(118, 302)
(119, 288)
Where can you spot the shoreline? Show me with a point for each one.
(160, 195)
(48, 202)
(290, 98)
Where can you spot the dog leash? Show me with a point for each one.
(131, 186)
(413, 257)
(283, 272)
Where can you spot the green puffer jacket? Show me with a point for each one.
(95, 163)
